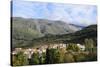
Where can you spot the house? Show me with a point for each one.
(61, 45)
(55, 46)
(82, 47)
(16, 50)
(28, 52)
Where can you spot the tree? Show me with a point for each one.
(92, 56)
(68, 58)
(54, 56)
(80, 57)
(73, 47)
(19, 60)
(42, 58)
(89, 44)
(58, 56)
(50, 55)
(34, 59)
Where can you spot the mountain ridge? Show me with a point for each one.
(44, 26)
(24, 31)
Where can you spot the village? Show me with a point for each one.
(42, 49)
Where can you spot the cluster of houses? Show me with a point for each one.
(42, 49)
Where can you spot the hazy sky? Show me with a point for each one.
(70, 13)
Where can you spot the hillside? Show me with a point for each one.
(34, 32)
(77, 37)
(24, 30)
(39, 27)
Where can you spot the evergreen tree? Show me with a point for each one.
(89, 44)
(34, 59)
(59, 56)
(54, 56)
(47, 56)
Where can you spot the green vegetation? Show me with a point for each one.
(54, 56)
(73, 47)
(80, 57)
(19, 60)
(77, 37)
(71, 54)
(89, 44)
(34, 34)
(25, 30)
(68, 58)
(34, 59)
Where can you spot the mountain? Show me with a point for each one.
(24, 30)
(89, 32)
(33, 28)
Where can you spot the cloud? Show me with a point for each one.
(70, 13)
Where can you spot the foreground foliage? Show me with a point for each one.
(72, 53)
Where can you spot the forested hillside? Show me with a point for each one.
(25, 30)
(34, 32)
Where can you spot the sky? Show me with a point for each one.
(70, 13)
